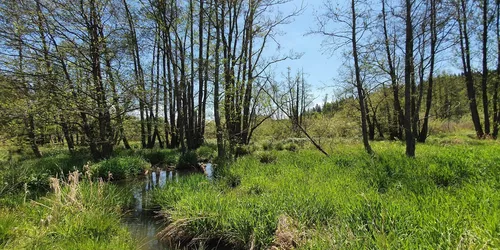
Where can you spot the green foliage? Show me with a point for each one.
(292, 147)
(161, 156)
(267, 145)
(206, 152)
(120, 167)
(242, 150)
(299, 141)
(447, 197)
(33, 174)
(188, 160)
(279, 146)
(267, 157)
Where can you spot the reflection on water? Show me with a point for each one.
(142, 221)
(209, 170)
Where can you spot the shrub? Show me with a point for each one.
(161, 156)
(292, 147)
(267, 157)
(279, 146)
(299, 141)
(188, 160)
(232, 180)
(206, 153)
(242, 150)
(120, 167)
(267, 145)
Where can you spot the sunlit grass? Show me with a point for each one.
(76, 215)
(448, 197)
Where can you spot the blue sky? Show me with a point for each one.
(319, 68)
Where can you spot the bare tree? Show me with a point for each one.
(351, 34)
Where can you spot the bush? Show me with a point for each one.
(279, 146)
(231, 180)
(243, 150)
(188, 160)
(299, 141)
(267, 145)
(292, 147)
(161, 156)
(206, 153)
(267, 157)
(120, 167)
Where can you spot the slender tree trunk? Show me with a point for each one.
(249, 69)
(205, 83)
(359, 84)
(496, 113)
(30, 125)
(191, 117)
(465, 55)
(29, 121)
(428, 102)
(409, 72)
(398, 121)
(201, 81)
(484, 78)
(219, 26)
(138, 73)
(67, 136)
(165, 92)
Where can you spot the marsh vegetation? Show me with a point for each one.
(156, 124)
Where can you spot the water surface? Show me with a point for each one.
(143, 221)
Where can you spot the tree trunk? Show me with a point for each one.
(409, 72)
(67, 135)
(428, 102)
(359, 84)
(398, 121)
(466, 62)
(484, 78)
(219, 26)
(496, 113)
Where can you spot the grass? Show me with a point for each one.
(447, 197)
(285, 195)
(76, 215)
(120, 167)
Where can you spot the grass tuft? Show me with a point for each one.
(447, 197)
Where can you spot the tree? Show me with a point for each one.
(496, 113)
(351, 34)
(409, 77)
(462, 17)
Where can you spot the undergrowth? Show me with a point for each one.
(447, 197)
(76, 215)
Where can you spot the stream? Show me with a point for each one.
(142, 220)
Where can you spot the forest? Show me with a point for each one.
(167, 124)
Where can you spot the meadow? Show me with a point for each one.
(448, 197)
(280, 194)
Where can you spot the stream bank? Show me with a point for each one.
(143, 220)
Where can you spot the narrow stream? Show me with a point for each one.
(142, 221)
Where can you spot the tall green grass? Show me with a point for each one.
(447, 197)
(120, 167)
(75, 216)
